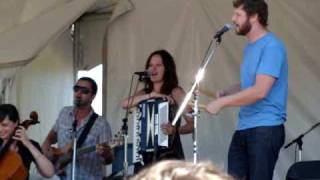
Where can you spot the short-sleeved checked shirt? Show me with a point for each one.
(89, 166)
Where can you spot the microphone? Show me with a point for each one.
(224, 29)
(143, 73)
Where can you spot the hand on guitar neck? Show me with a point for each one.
(105, 151)
(61, 157)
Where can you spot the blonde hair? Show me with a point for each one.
(181, 170)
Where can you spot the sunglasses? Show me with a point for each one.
(83, 90)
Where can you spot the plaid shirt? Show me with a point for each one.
(89, 166)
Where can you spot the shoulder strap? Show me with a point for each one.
(86, 129)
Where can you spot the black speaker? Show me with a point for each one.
(304, 170)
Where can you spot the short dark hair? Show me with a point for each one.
(94, 86)
(252, 7)
(170, 78)
(10, 111)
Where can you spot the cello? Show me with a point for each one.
(11, 165)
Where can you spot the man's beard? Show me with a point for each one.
(77, 102)
(244, 29)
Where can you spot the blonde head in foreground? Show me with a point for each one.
(181, 170)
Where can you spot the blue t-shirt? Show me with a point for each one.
(266, 56)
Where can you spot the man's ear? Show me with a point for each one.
(254, 18)
(93, 96)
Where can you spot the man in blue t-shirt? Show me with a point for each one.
(262, 95)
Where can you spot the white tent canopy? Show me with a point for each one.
(185, 27)
(33, 24)
(37, 30)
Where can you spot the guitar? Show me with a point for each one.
(61, 157)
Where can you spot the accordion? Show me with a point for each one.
(147, 135)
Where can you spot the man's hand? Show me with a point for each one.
(105, 151)
(214, 107)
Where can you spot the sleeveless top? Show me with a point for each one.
(175, 150)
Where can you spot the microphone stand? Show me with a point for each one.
(124, 127)
(74, 148)
(125, 145)
(194, 91)
(124, 130)
(299, 141)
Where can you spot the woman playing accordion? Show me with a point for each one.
(163, 84)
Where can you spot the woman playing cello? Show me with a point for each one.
(15, 142)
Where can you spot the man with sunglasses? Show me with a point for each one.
(96, 131)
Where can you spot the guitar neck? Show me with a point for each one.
(85, 150)
(66, 158)
(89, 149)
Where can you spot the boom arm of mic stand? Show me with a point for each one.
(199, 76)
(298, 140)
